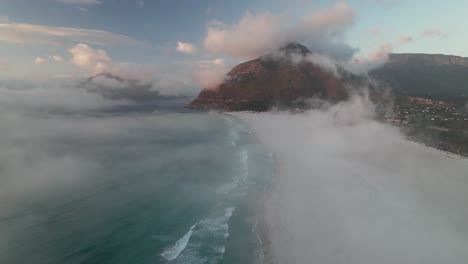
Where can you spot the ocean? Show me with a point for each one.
(153, 183)
(88, 180)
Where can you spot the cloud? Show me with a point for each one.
(39, 60)
(47, 59)
(433, 33)
(38, 34)
(211, 62)
(186, 47)
(255, 34)
(363, 64)
(53, 98)
(210, 73)
(138, 82)
(349, 185)
(141, 3)
(81, 2)
(209, 78)
(114, 87)
(87, 57)
(324, 62)
(57, 158)
(57, 58)
(238, 40)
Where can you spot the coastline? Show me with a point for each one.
(339, 190)
(262, 228)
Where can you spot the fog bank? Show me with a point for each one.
(352, 190)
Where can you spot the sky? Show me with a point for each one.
(188, 45)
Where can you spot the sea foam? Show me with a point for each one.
(174, 251)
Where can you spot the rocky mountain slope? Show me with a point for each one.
(278, 79)
(439, 77)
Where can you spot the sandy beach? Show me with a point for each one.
(359, 193)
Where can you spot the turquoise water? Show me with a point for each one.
(159, 186)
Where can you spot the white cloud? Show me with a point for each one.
(96, 61)
(38, 34)
(350, 185)
(39, 60)
(57, 58)
(87, 57)
(217, 61)
(211, 62)
(323, 62)
(210, 73)
(186, 47)
(81, 2)
(254, 34)
(248, 38)
(378, 57)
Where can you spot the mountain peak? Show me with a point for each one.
(275, 80)
(294, 47)
(107, 75)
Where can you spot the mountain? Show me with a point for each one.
(277, 79)
(115, 87)
(440, 77)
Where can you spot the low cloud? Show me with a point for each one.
(185, 47)
(256, 34)
(49, 59)
(362, 65)
(51, 98)
(208, 74)
(57, 58)
(39, 60)
(347, 185)
(136, 82)
(252, 36)
(62, 150)
(115, 87)
(88, 57)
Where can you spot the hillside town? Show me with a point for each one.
(440, 124)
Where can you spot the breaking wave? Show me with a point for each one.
(173, 252)
(203, 243)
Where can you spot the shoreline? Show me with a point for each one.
(374, 194)
(261, 228)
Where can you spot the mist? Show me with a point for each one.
(349, 189)
(65, 144)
